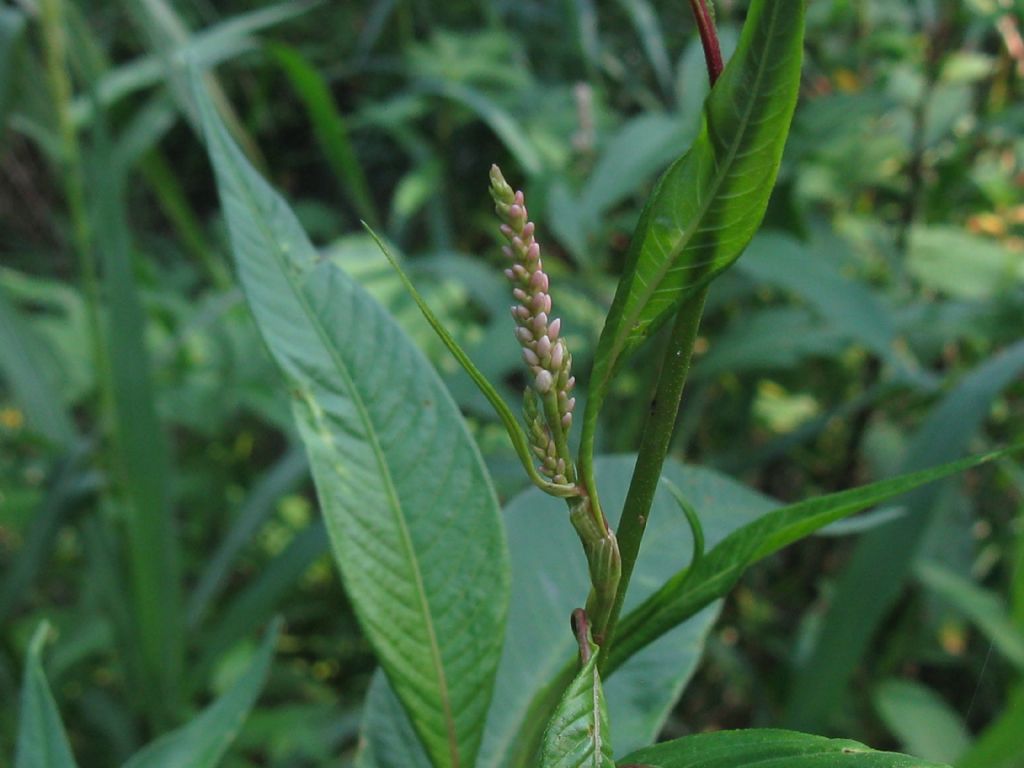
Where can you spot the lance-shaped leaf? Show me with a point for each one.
(766, 749)
(687, 592)
(709, 203)
(202, 742)
(578, 735)
(42, 742)
(409, 506)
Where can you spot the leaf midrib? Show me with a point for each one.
(684, 240)
(392, 493)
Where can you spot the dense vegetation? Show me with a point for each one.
(155, 506)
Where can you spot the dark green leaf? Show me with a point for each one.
(42, 742)
(400, 481)
(202, 742)
(766, 749)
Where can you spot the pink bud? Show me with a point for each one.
(528, 229)
(516, 211)
(507, 231)
(519, 295)
(520, 313)
(570, 384)
(524, 335)
(556, 352)
(520, 272)
(520, 199)
(567, 421)
(571, 405)
(543, 347)
(540, 323)
(533, 252)
(539, 281)
(541, 303)
(554, 327)
(531, 357)
(510, 274)
(544, 381)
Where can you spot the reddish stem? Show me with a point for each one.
(708, 38)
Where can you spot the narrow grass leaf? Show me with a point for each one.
(329, 128)
(402, 485)
(686, 593)
(42, 742)
(766, 749)
(202, 742)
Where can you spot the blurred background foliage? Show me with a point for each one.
(154, 503)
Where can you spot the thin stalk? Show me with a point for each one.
(654, 445)
(708, 38)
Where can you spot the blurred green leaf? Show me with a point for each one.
(400, 481)
(925, 725)
(984, 608)
(962, 265)
(12, 26)
(203, 742)
(42, 742)
(329, 127)
(998, 746)
(766, 749)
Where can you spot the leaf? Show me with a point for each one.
(203, 742)
(924, 724)
(24, 367)
(766, 749)
(961, 264)
(998, 746)
(401, 484)
(141, 457)
(42, 742)
(986, 609)
(329, 127)
(876, 573)
(686, 593)
(709, 203)
(549, 579)
(578, 734)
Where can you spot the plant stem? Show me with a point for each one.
(708, 38)
(654, 445)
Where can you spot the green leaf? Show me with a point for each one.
(986, 609)
(141, 456)
(686, 593)
(710, 202)
(42, 742)
(409, 507)
(202, 742)
(578, 735)
(329, 127)
(924, 724)
(24, 367)
(766, 749)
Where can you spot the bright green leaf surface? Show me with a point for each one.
(686, 593)
(710, 202)
(578, 735)
(202, 742)
(402, 486)
(42, 742)
(766, 749)
(924, 724)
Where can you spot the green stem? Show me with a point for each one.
(654, 445)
